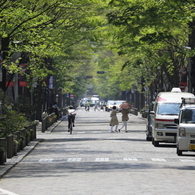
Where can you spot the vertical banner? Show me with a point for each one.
(51, 82)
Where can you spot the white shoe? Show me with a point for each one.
(112, 132)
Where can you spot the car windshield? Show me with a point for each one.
(168, 108)
(110, 102)
(119, 102)
(188, 116)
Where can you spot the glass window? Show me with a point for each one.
(188, 116)
(168, 108)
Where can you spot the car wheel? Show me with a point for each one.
(156, 143)
(179, 152)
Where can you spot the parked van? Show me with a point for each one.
(166, 109)
(186, 126)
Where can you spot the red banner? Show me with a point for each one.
(22, 83)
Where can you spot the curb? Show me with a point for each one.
(16, 159)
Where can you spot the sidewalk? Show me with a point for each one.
(11, 162)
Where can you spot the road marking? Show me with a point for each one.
(73, 159)
(130, 159)
(46, 160)
(158, 159)
(185, 160)
(102, 159)
(5, 192)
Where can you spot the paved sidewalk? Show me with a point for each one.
(11, 162)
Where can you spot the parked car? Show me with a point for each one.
(166, 109)
(186, 126)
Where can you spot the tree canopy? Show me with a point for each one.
(135, 42)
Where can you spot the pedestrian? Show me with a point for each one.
(114, 120)
(96, 106)
(125, 111)
(71, 116)
(56, 109)
(87, 106)
(44, 114)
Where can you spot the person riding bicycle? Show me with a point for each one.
(71, 116)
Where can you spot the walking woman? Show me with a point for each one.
(114, 120)
(125, 111)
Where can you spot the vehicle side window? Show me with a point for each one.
(187, 116)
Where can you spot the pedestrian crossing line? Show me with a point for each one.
(46, 160)
(102, 159)
(158, 159)
(5, 192)
(186, 160)
(130, 159)
(73, 159)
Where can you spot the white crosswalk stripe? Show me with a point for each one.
(46, 160)
(186, 160)
(73, 159)
(5, 192)
(158, 159)
(102, 159)
(130, 159)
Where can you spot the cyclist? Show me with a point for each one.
(71, 116)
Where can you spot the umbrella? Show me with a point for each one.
(125, 105)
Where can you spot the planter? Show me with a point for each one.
(10, 146)
(15, 149)
(23, 138)
(3, 143)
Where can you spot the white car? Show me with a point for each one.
(111, 103)
(186, 126)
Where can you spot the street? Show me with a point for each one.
(93, 161)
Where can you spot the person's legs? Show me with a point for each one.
(124, 125)
(73, 119)
(116, 128)
(111, 129)
(69, 121)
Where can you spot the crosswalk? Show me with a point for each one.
(106, 159)
(5, 192)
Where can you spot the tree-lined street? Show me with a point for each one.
(94, 161)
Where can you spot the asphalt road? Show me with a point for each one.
(93, 161)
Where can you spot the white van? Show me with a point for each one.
(166, 109)
(186, 126)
